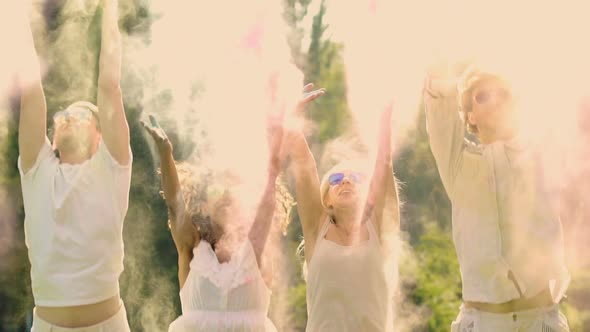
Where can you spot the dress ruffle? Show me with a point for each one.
(240, 269)
(217, 321)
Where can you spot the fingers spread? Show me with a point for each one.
(313, 95)
(308, 87)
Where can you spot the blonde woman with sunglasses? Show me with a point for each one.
(348, 221)
(75, 194)
(506, 227)
(224, 276)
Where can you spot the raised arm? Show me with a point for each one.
(183, 232)
(382, 201)
(266, 208)
(114, 127)
(304, 170)
(33, 107)
(446, 131)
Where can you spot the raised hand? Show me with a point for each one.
(309, 94)
(440, 80)
(158, 135)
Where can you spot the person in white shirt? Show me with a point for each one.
(224, 278)
(75, 194)
(506, 227)
(350, 224)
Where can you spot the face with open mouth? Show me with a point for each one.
(344, 188)
(75, 130)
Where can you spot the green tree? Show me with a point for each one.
(438, 283)
(426, 218)
(325, 67)
(15, 292)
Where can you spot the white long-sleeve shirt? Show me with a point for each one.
(506, 227)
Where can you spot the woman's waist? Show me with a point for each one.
(363, 280)
(355, 300)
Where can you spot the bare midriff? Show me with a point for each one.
(542, 299)
(81, 315)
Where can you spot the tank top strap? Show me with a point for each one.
(323, 229)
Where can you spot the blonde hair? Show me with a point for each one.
(465, 86)
(194, 184)
(285, 204)
(202, 186)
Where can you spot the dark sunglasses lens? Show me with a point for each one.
(81, 114)
(482, 97)
(335, 178)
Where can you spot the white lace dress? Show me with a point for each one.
(229, 296)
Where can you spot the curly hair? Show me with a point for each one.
(196, 184)
(285, 204)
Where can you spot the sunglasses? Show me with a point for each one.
(485, 96)
(80, 114)
(337, 178)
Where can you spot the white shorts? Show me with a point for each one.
(546, 319)
(117, 323)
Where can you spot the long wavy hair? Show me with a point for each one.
(197, 184)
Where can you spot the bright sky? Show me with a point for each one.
(540, 46)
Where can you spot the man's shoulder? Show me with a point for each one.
(104, 157)
(46, 160)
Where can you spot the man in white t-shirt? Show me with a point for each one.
(75, 194)
(506, 227)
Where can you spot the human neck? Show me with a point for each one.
(74, 158)
(348, 220)
(492, 137)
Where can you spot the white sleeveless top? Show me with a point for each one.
(74, 227)
(348, 287)
(229, 296)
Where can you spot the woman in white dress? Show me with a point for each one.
(350, 224)
(224, 280)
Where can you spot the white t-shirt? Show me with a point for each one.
(74, 227)
(506, 226)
